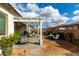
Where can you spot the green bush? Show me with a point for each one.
(7, 43)
(17, 33)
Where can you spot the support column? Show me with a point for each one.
(29, 29)
(38, 31)
(41, 40)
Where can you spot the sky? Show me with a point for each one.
(54, 14)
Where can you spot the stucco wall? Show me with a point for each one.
(10, 22)
(10, 25)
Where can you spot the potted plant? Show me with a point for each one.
(7, 43)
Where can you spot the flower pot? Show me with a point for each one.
(7, 51)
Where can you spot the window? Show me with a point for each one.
(2, 25)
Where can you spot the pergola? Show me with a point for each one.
(33, 22)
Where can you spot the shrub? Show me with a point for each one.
(7, 43)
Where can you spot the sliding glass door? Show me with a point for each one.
(2, 25)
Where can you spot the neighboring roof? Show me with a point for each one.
(10, 9)
(75, 23)
(66, 25)
(72, 24)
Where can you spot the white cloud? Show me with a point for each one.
(52, 25)
(20, 7)
(59, 21)
(76, 12)
(52, 16)
(49, 11)
(30, 15)
(32, 7)
(75, 18)
(17, 8)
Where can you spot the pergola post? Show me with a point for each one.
(38, 30)
(41, 40)
(27, 27)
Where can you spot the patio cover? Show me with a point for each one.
(35, 22)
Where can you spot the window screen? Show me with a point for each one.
(2, 25)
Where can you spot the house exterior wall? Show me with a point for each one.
(74, 29)
(9, 21)
(10, 25)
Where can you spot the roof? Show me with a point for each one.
(75, 23)
(10, 9)
(66, 25)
